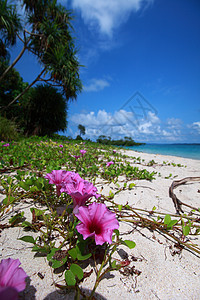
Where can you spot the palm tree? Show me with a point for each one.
(10, 25)
(45, 111)
(50, 39)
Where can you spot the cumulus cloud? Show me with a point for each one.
(124, 123)
(96, 85)
(196, 126)
(147, 128)
(107, 14)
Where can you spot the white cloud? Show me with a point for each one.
(145, 129)
(122, 123)
(96, 85)
(107, 14)
(196, 126)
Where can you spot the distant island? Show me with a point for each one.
(127, 141)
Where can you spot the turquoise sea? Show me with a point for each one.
(182, 150)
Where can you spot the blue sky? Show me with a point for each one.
(142, 69)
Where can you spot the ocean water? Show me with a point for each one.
(182, 150)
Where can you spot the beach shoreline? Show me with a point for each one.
(159, 269)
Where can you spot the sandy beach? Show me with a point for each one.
(160, 270)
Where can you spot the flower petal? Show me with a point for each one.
(12, 275)
(83, 215)
(8, 293)
(84, 230)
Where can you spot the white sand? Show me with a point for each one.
(163, 274)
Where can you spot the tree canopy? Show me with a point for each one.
(81, 128)
(49, 38)
(44, 111)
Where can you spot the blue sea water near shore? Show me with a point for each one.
(181, 150)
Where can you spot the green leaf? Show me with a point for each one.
(172, 223)
(83, 257)
(186, 230)
(38, 212)
(52, 253)
(29, 181)
(197, 231)
(57, 264)
(26, 224)
(40, 249)
(70, 278)
(8, 200)
(28, 239)
(167, 219)
(77, 271)
(119, 207)
(16, 218)
(154, 208)
(116, 231)
(131, 185)
(33, 189)
(23, 185)
(72, 252)
(9, 180)
(129, 244)
(114, 264)
(111, 195)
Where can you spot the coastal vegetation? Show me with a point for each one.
(71, 185)
(126, 141)
(61, 177)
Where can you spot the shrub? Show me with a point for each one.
(8, 130)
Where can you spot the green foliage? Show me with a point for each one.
(49, 38)
(45, 111)
(82, 129)
(24, 166)
(10, 86)
(8, 130)
(127, 141)
(170, 223)
(9, 25)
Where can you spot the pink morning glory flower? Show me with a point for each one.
(12, 279)
(97, 222)
(58, 177)
(83, 151)
(77, 156)
(8, 293)
(109, 163)
(80, 190)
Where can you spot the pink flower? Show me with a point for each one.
(80, 190)
(77, 156)
(98, 222)
(109, 163)
(114, 151)
(60, 146)
(83, 152)
(12, 279)
(8, 293)
(6, 145)
(58, 177)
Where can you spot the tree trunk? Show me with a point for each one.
(25, 90)
(14, 63)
